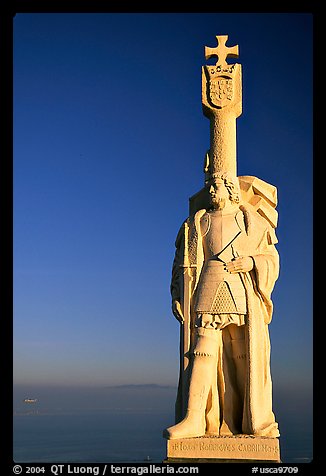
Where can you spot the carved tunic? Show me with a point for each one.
(220, 292)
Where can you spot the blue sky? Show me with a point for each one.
(109, 143)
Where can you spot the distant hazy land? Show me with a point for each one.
(118, 398)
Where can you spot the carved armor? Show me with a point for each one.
(218, 290)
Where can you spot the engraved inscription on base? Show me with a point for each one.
(255, 448)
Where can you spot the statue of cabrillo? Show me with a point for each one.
(224, 272)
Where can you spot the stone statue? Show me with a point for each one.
(224, 272)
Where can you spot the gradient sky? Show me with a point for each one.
(109, 143)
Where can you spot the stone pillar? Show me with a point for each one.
(222, 104)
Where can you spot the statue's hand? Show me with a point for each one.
(241, 264)
(177, 312)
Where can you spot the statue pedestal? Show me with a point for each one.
(239, 448)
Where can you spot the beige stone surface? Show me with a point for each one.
(229, 448)
(225, 268)
(222, 104)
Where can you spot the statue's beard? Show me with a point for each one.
(218, 203)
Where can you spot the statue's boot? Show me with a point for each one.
(204, 364)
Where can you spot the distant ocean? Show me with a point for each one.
(81, 438)
(119, 437)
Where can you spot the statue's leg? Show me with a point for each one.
(204, 364)
(237, 334)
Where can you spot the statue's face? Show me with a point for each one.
(219, 194)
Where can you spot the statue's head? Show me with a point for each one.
(223, 191)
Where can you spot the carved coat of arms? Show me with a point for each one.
(221, 91)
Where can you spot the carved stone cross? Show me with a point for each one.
(222, 51)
